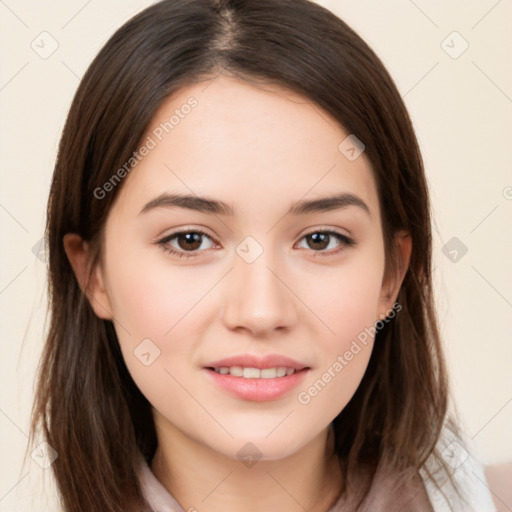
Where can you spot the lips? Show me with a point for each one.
(239, 376)
(251, 361)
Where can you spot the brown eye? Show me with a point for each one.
(318, 240)
(185, 243)
(189, 241)
(321, 240)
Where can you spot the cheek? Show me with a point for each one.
(345, 298)
(331, 387)
(157, 309)
(344, 354)
(154, 307)
(150, 297)
(347, 305)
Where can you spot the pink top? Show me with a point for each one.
(160, 499)
(383, 496)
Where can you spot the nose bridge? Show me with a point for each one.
(257, 298)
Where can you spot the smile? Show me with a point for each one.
(255, 373)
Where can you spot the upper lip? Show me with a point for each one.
(251, 361)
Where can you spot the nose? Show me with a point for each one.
(258, 297)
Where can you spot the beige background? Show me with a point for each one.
(462, 111)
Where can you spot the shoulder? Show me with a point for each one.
(389, 491)
(499, 478)
(394, 491)
(469, 491)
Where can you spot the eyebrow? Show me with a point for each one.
(215, 207)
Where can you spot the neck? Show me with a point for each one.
(202, 479)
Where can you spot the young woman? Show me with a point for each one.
(240, 276)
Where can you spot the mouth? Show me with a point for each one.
(256, 377)
(276, 372)
(256, 384)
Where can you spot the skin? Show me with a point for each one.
(260, 151)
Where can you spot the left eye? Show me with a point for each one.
(322, 240)
(187, 241)
(190, 242)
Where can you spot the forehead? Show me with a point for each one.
(232, 140)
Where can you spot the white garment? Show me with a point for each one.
(468, 473)
(157, 496)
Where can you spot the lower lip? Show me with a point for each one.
(259, 390)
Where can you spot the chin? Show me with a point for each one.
(263, 447)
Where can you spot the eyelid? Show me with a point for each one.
(186, 228)
(325, 228)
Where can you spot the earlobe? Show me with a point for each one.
(91, 283)
(391, 283)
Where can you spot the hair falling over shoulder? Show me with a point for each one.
(87, 406)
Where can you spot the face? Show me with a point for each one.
(249, 273)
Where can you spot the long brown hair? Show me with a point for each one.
(87, 406)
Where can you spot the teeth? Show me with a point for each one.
(236, 371)
(255, 373)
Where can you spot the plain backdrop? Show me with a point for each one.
(451, 63)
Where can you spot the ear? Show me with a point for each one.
(78, 253)
(392, 282)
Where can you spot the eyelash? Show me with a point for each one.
(163, 243)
